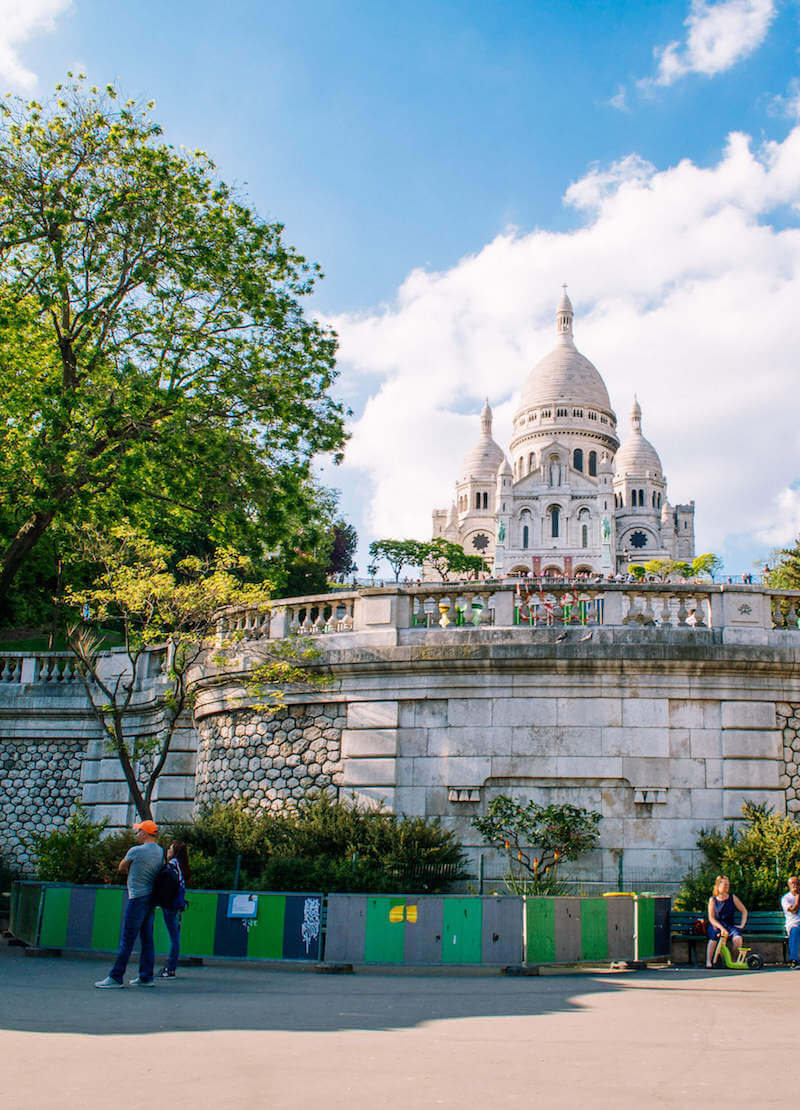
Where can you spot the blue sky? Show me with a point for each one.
(450, 164)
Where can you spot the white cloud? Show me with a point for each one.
(620, 99)
(20, 20)
(787, 105)
(685, 292)
(717, 36)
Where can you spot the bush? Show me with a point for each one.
(322, 845)
(69, 855)
(757, 859)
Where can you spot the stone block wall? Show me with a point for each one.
(40, 785)
(272, 761)
(789, 725)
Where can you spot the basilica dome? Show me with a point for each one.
(565, 374)
(636, 454)
(485, 457)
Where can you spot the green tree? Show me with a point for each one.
(448, 558)
(555, 832)
(399, 553)
(706, 564)
(785, 573)
(179, 610)
(758, 858)
(152, 340)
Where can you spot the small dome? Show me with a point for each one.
(565, 374)
(483, 460)
(637, 455)
(504, 469)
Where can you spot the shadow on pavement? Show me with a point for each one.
(55, 995)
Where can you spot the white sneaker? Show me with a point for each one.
(137, 982)
(107, 982)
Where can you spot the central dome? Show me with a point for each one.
(565, 374)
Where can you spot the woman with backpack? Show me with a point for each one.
(178, 860)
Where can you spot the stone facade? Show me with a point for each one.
(40, 784)
(272, 761)
(789, 726)
(663, 707)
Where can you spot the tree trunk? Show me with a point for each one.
(21, 546)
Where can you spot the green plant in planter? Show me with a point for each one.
(535, 839)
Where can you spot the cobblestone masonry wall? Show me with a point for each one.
(789, 724)
(40, 784)
(274, 761)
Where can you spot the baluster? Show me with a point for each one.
(648, 614)
(630, 599)
(701, 612)
(444, 606)
(775, 612)
(791, 614)
(480, 610)
(683, 612)
(467, 613)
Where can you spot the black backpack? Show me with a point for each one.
(166, 888)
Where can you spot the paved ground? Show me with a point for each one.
(231, 1037)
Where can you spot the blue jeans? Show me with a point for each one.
(138, 922)
(794, 944)
(172, 920)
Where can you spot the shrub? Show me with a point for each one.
(69, 855)
(322, 845)
(758, 860)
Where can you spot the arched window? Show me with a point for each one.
(531, 458)
(486, 500)
(641, 499)
(477, 500)
(584, 535)
(577, 459)
(525, 535)
(654, 499)
(593, 464)
(555, 521)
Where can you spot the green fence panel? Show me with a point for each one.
(385, 936)
(107, 918)
(461, 938)
(199, 923)
(25, 901)
(594, 929)
(647, 915)
(265, 937)
(53, 933)
(540, 947)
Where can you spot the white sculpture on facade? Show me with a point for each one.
(573, 499)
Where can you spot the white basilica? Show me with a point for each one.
(573, 499)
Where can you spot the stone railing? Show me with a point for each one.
(395, 614)
(477, 605)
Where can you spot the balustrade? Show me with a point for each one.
(10, 668)
(456, 607)
(462, 608)
(56, 668)
(785, 610)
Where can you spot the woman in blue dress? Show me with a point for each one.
(178, 860)
(722, 908)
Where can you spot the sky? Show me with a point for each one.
(451, 164)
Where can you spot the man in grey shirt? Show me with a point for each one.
(140, 866)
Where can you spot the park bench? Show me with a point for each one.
(765, 931)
